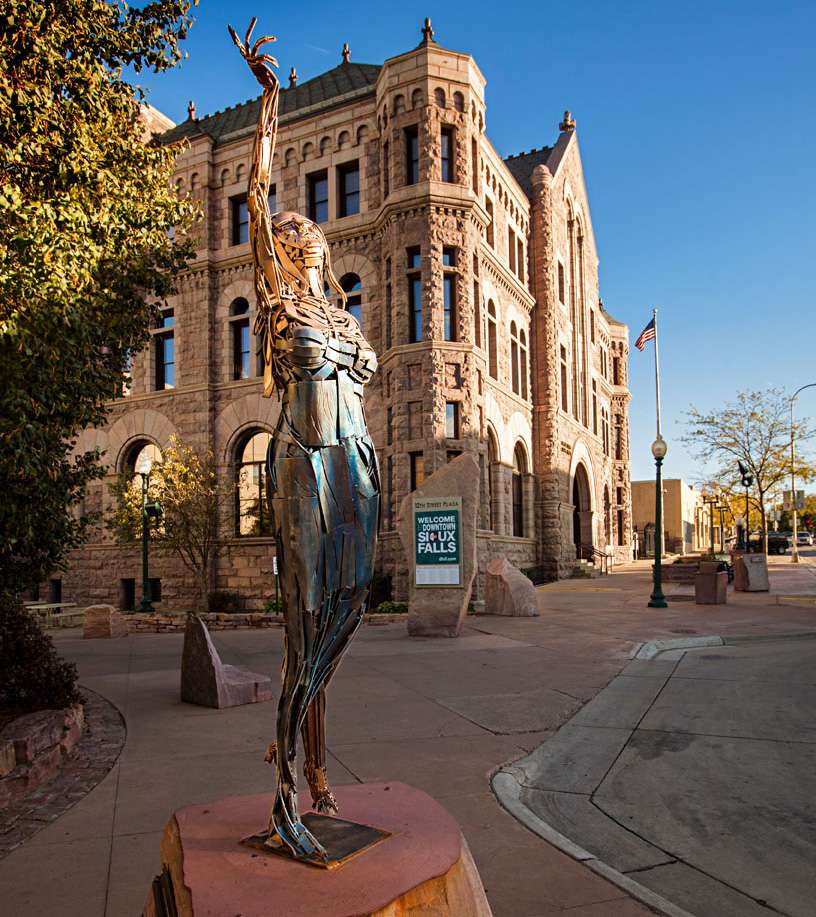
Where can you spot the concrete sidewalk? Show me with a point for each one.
(442, 715)
(694, 778)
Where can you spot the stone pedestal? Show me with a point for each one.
(439, 611)
(423, 867)
(751, 573)
(711, 585)
(508, 591)
(206, 681)
(102, 621)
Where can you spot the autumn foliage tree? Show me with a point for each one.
(754, 430)
(87, 248)
(195, 510)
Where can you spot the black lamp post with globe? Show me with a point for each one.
(659, 450)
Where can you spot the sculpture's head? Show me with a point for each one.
(303, 254)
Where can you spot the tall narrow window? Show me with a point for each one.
(514, 358)
(353, 289)
(618, 438)
(318, 185)
(519, 469)
(474, 165)
(348, 188)
(616, 371)
(252, 511)
(388, 304)
(272, 199)
(594, 407)
(562, 293)
(165, 352)
(411, 155)
(449, 294)
(520, 260)
(477, 304)
(492, 344)
(386, 170)
(523, 363)
(451, 420)
(621, 532)
(239, 328)
(389, 492)
(389, 426)
(240, 219)
(417, 461)
(447, 153)
(511, 250)
(415, 316)
(592, 325)
(490, 222)
(492, 461)
(564, 382)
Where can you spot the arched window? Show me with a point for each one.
(353, 288)
(458, 101)
(492, 351)
(523, 366)
(139, 452)
(416, 98)
(492, 461)
(439, 97)
(514, 358)
(252, 512)
(239, 338)
(519, 469)
(399, 104)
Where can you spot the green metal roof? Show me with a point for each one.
(322, 90)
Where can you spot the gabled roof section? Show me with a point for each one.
(522, 164)
(321, 91)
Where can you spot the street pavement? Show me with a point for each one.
(445, 715)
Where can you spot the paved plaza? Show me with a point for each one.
(711, 777)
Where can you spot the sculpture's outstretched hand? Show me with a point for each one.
(260, 64)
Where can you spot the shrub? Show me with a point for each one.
(390, 608)
(34, 677)
(273, 606)
(222, 601)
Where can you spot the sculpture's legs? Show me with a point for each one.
(285, 825)
(313, 732)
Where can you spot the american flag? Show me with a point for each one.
(648, 334)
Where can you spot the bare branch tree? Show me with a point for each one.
(754, 430)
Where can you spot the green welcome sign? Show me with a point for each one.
(437, 541)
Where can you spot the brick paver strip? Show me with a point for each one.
(94, 755)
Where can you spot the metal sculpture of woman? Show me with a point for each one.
(323, 478)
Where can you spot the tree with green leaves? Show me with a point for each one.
(195, 510)
(87, 248)
(754, 430)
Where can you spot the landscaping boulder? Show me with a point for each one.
(208, 682)
(103, 621)
(508, 591)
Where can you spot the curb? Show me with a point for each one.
(507, 788)
(654, 648)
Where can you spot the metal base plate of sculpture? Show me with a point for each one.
(324, 484)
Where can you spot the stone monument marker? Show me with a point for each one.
(437, 527)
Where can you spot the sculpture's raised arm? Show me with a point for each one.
(260, 232)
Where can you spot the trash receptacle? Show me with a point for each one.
(751, 573)
(711, 584)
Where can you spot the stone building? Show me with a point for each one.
(475, 278)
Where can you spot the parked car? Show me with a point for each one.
(777, 543)
(804, 539)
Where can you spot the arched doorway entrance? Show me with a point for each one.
(582, 508)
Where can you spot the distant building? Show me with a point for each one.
(686, 518)
(476, 281)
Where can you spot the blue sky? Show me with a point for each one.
(697, 130)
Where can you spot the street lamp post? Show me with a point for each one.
(795, 547)
(711, 503)
(657, 599)
(721, 509)
(149, 511)
(745, 536)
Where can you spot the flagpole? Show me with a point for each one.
(657, 372)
